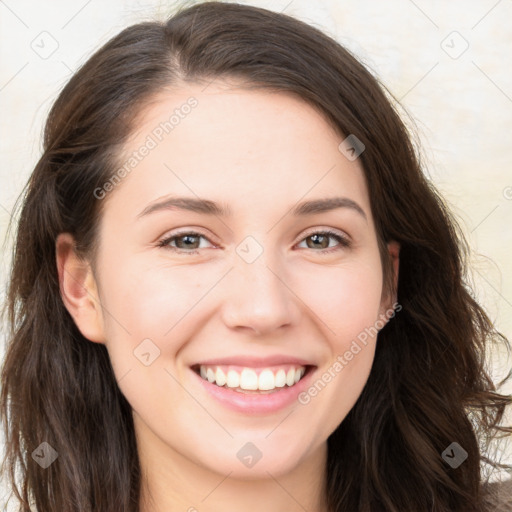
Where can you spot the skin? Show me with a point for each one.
(260, 153)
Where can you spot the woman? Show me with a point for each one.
(256, 369)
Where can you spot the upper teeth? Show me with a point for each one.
(249, 379)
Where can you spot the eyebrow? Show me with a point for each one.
(207, 207)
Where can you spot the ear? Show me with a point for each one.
(389, 300)
(78, 289)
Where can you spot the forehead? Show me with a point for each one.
(251, 147)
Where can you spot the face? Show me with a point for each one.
(250, 289)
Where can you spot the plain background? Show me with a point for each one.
(447, 62)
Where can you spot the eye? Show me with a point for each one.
(184, 241)
(189, 242)
(320, 240)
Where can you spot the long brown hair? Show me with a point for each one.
(428, 386)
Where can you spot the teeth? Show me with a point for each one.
(220, 378)
(210, 375)
(280, 379)
(248, 379)
(266, 380)
(233, 380)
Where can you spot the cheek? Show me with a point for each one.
(150, 310)
(153, 300)
(149, 298)
(345, 299)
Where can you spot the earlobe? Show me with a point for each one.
(78, 289)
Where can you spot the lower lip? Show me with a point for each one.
(253, 403)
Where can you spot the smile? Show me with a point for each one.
(251, 385)
(252, 379)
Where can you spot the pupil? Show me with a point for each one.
(184, 239)
(315, 238)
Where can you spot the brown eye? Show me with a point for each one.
(321, 240)
(318, 241)
(187, 242)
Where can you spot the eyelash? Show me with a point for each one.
(344, 242)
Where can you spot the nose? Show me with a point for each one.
(258, 297)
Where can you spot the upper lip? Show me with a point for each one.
(254, 361)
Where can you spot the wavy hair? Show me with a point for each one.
(428, 386)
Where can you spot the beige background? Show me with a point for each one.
(449, 63)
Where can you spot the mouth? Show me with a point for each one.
(253, 390)
(252, 380)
